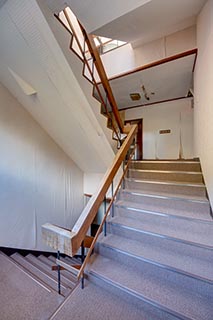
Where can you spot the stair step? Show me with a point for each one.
(164, 201)
(72, 260)
(170, 187)
(190, 260)
(181, 176)
(187, 232)
(22, 296)
(183, 296)
(166, 208)
(99, 300)
(52, 283)
(178, 214)
(166, 165)
(68, 260)
(47, 269)
(51, 260)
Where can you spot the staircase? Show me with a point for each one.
(29, 287)
(156, 260)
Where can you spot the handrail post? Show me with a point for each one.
(59, 273)
(112, 190)
(82, 261)
(123, 182)
(105, 226)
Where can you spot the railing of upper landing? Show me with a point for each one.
(83, 45)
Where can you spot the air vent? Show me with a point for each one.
(135, 96)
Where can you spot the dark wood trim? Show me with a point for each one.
(95, 59)
(155, 63)
(193, 69)
(90, 195)
(62, 23)
(153, 103)
(139, 136)
(88, 241)
(75, 52)
(55, 268)
(104, 80)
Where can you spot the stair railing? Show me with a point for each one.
(103, 223)
(69, 242)
(83, 45)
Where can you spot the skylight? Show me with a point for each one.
(106, 44)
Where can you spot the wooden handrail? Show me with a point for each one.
(69, 242)
(85, 61)
(103, 77)
(83, 223)
(81, 271)
(100, 69)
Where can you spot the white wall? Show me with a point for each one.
(176, 116)
(63, 39)
(126, 58)
(38, 182)
(204, 95)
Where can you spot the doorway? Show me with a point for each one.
(139, 137)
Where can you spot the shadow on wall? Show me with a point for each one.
(38, 182)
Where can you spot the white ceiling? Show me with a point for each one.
(96, 13)
(29, 49)
(135, 21)
(152, 21)
(167, 81)
(2, 2)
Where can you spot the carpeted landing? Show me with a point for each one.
(156, 260)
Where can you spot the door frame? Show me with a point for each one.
(139, 138)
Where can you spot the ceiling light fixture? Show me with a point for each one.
(145, 93)
(135, 96)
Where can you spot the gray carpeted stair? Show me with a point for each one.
(155, 261)
(22, 296)
(188, 259)
(193, 166)
(168, 187)
(171, 291)
(50, 261)
(180, 176)
(40, 274)
(159, 244)
(41, 269)
(191, 204)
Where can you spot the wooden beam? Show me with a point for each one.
(67, 267)
(88, 241)
(55, 268)
(57, 238)
(156, 63)
(89, 195)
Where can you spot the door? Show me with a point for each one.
(139, 137)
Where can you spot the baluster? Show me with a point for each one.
(59, 274)
(105, 226)
(112, 209)
(82, 261)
